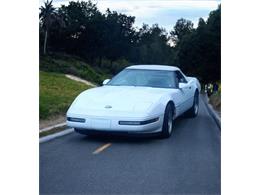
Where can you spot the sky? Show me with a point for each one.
(163, 12)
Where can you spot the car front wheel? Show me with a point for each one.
(193, 112)
(167, 121)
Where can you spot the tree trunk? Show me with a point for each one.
(45, 42)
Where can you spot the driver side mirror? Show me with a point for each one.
(106, 81)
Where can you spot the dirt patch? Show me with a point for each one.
(52, 121)
(55, 130)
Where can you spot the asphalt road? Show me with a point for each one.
(186, 163)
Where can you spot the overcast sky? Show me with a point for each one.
(163, 12)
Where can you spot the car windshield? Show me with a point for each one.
(147, 78)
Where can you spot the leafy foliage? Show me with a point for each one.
(199, 51)
(181, 28)
(48, 18)
(151, 46)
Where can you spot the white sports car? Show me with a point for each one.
(141, 99)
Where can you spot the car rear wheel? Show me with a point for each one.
(167, 121)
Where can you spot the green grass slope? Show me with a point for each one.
(67, 64)
(57, 93)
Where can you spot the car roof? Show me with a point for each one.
(153, 67)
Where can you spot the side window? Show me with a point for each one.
(180, 78)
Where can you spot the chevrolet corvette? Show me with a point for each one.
(141, 99)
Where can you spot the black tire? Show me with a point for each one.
(167, 121)
(193, 111)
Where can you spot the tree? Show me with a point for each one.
(198, 52)
(152, 45)
(119, 33)
(181, 28)
(47, 16)
(83, 34)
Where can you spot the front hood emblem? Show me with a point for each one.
(108, 106)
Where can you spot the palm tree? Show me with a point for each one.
(47, 17)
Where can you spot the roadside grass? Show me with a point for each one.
(57, 93)
(215, 101)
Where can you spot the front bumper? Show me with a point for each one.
(111, 125)
(117, 133)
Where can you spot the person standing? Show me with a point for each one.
(210, 89)
(206, 88)
(215, 88)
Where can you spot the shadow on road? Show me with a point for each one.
(105, 138)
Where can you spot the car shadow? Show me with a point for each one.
(110, 138)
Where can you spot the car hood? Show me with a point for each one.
(117, 99)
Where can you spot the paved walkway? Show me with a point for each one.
(80, 80)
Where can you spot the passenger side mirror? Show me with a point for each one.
(182, 85)
(106, 81)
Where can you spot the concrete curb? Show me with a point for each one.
(53, 127)
(211, 111)
(55, 135)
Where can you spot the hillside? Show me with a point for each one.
(67, 64)
(57, 93)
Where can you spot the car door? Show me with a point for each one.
(185, 91)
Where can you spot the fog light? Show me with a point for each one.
(79, 120)
(138, 122)
(129, 122)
